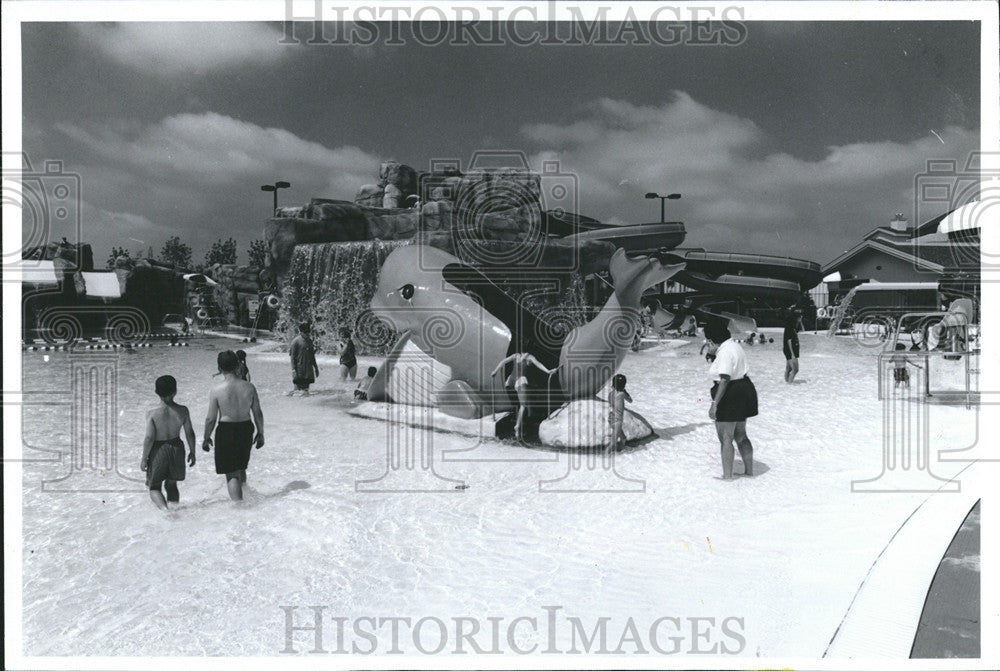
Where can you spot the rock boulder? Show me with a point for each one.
(584, 423)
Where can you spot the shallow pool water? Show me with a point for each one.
(105, 573)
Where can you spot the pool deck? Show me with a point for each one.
(950, 621)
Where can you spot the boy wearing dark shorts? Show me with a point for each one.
(230, 406)
(162, 449)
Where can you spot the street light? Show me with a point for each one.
(274, 188)
(663, 200)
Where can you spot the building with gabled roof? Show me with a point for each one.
(945, 250)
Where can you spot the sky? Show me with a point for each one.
(795, 142)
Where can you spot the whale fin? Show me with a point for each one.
(633, 276)
(379, 389)
(458, 399)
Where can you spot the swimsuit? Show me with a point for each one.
(165, 462)
(348, 357)
(233, 441)
(790, 338)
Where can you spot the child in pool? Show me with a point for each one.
(900, 372)
(242, 371)
(616, 410)
(348, 356)
(162, 449)
(710, 346)
(361, 391)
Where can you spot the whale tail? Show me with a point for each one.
(631, 277)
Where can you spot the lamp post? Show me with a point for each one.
(663, 200)
(274, 189)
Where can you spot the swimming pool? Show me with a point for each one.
(104, 573)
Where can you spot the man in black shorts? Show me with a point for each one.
(231, 404)
(790, 342)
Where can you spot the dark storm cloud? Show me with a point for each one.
(792, 142)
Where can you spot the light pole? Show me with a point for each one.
(274, 189)
(663, 200)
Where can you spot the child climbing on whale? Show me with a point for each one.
(518, 379)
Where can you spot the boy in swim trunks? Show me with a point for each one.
(616, 410)
(162, 449)
(230, 405)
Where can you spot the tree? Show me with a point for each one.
(257, 253)
(120, 257)
(176, 252)
(221, 252)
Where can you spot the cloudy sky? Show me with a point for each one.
(795, 142)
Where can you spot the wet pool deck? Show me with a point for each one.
(949, 624)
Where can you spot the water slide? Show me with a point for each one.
(723, 274)
(639, 239)
(733, 275)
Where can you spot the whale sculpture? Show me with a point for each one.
(455, 326)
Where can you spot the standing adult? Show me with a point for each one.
(790, 341)
(734, 397)
(302, 352)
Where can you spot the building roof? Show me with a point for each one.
(927, 246)
(902, 252)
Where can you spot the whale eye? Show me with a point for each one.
(407, 291)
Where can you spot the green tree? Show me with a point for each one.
(257, 253)
(176, 252)
(221, 252)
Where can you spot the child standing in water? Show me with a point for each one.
(616, 410)
(242, 371)
(162, 449)
(302, 352)
(790, 342)
(348, 356)
(231, 404)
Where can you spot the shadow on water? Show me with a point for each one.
(669, 432)
(759, 469)
(250, 496)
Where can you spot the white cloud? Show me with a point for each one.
(93, 218)
(733, 194)
(221, 151)
(199, 175)
(168, 49)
